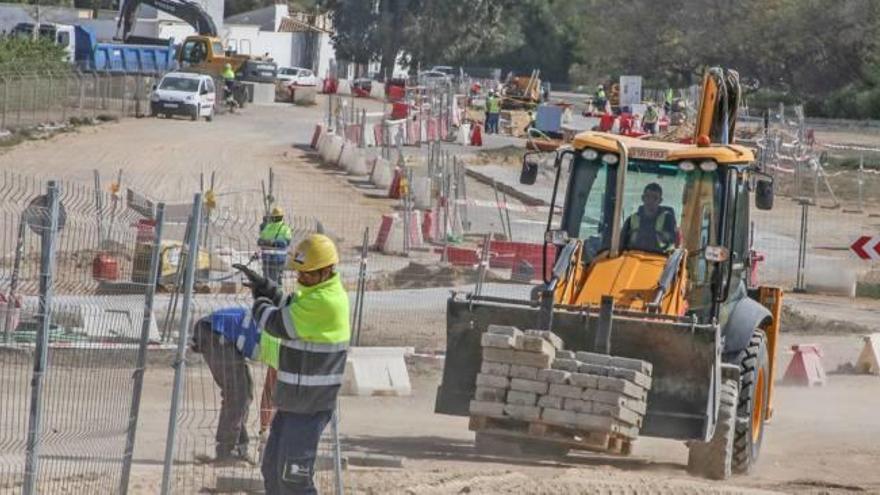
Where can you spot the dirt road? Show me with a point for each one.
(821, 440)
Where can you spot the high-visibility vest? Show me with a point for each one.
(311, 363)
(228, 74)
(276, 231)
(663, 242)
(493, 105)
(651, 116)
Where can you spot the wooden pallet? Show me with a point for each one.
(594, 441)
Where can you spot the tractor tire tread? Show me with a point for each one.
(714, 459)
(749, 360)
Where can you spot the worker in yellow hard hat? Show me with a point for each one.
(275, 237)
(313, 325)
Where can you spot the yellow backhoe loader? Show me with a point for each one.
(675, 292)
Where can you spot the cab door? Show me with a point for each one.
(207, 96)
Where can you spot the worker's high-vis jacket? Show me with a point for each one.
(274, 239)
(314, 331)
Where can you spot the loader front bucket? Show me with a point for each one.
(686, 358)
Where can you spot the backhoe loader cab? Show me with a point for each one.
(651, 262)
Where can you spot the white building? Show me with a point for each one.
(291, 40)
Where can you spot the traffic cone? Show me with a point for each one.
(805, 368)
(477, 136)
(869, 359)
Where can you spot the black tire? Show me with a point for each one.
(210, 117)
(714, 459)
(195, 113)
(754, 366)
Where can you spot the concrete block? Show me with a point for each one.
(534, 344)
(567, 391)
(563, 354)
(536, 359)
(637, 406)
(525, 372)
(496, 340)
(618, 412)
(263, 93)
(593, 358)
(621, 386)
(593, 422)
(551, 401)
(559, 417)
(593, 369)
(632, 364)
(634, 376)
(305, 95)
(383, 174)
(498, 355)
(494, 381)
(578, 406)
(547, 335)
(481, 408)
(347, 155)
(504, 330)
(604, 396)
(566, 365)
(533, 386)
(520, 398)
(631, 432)
(525, 413)
(492, 368)
(359, 165)
(584, 380)
(376, 371)
(554, 376)
(490, 394)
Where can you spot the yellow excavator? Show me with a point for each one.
(676, 292)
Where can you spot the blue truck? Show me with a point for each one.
(83, 49)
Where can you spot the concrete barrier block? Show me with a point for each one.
(831, 277)
(869, 359)
(533, 386)
(305, 95)
(491, 368)
(377, 90)
(263, 93)
(376, 371)
(383, 174)
(343, 87)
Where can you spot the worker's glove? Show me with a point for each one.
(260, 286)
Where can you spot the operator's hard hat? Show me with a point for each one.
(277, 212)
(315, 252)
(601, 86)
(228, 65)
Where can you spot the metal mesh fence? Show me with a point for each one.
(28, 100)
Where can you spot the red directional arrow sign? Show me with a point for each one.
(867, 247)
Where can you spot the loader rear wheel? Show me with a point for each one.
(714, 459)
(754, 367)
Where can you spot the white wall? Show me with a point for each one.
(249, 40)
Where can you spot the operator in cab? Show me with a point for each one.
(652, 228)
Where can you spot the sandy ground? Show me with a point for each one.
(821, 440)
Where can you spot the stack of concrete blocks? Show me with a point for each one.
(528, 376)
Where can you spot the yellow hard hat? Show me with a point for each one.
(277, 212)
(315, 252)
(228, 66)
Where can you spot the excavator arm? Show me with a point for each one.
(186, 10)
(719, 101)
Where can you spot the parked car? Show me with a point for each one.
(431, 77)
(297, 76)
(184, 93)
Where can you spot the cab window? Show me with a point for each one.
(209, 85)
(195, 51)
(218, 48)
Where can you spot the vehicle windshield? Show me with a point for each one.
(660, 201)
(180, 84)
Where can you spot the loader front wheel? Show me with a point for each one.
(714, 459)
(754, 367)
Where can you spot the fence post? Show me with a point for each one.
(802, 247)
(5, 100)
(180, 361)
(337, 451)
(140, 366)
(41, 347)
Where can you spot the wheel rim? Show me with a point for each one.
(758, 409)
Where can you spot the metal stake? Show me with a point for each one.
(182, 337)
(140, 366)
(41, 353)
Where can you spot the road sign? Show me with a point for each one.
(867, 247)
(36, 215)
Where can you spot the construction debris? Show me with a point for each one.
(529, 387)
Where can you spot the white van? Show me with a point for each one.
(184, 93)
